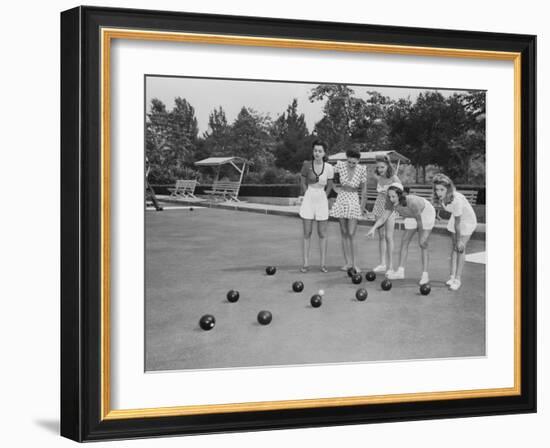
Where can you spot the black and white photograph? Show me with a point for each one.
(291, 223)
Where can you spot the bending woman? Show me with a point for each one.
(316, 184)
(348, 208)
(462, 224)
(419, 217)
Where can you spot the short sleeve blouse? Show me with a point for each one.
(359, 176)
(325, 175)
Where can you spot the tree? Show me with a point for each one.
(218, 136)
(339, 110)
(292, 138)
(170, 140)
(184, 131)
(157, 131)
(469, 145)
(251, 138)
(369, 126)
(448, 132)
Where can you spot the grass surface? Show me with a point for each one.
(194, 257)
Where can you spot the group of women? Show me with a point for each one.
(419, 214)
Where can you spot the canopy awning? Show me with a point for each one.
(370, 156)
(236, 162)
(217, 161)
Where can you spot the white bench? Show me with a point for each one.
(226, 190)
(184, 189)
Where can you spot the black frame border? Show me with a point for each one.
(81, 223)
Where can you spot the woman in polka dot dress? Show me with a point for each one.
(348, 208)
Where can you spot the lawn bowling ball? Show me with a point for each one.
(425, 289)
(264, 317)
(361, 294)
(386, 285)
(233, 296)
(270, 270)
(356, 279)
(207, 322)
(316, 301)
(298, 286)
(321, 292)
(352, 272)
(370, 276)
(191, 209)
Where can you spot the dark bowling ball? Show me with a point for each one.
(191, 209)
(356, 279)
(316, 301)
(370, 276)
(298, 286)
(425, 289)
(386, 285)
(270, 270)
(264, 317)
(207, 322)
(352, 272)
(361, 294)
(233, 296)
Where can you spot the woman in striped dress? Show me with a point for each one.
(386, 176)
(348, 208)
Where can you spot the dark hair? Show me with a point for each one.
(319, 143)
(441, 179)
(400, 194)
(353, 153)
(389, 170)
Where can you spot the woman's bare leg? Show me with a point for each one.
(352, 227)
(424, 234)
(461, 256)
(382, 246)
(344, 234)
(454, 254)
(389, 228)
(322, 227)
(405, 241)
(308, 227)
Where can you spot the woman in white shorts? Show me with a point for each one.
(419, 217)
(316, 183)
(462, 224)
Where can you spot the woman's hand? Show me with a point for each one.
(370, 233)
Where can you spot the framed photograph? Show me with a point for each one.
(273, 223)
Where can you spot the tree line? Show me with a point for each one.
(445, 132)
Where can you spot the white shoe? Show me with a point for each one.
(396, 275)
(450, 281)
(455, 285)
(424, 279)
(380, 268)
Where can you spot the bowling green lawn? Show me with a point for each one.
(194, 257)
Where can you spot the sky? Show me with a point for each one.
(268, 97)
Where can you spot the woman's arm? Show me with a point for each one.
(380, 222)
(303, 185)
(363, 196)
(329, 186)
